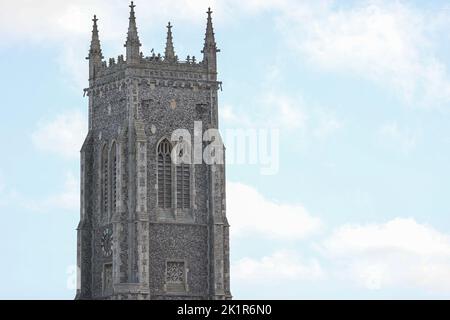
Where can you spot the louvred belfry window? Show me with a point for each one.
(164, 174)
(183, 186)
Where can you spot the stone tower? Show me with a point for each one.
(152, 221)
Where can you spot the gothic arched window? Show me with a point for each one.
(113, 157)
(183, 186)
(164, 174)
(104, 173)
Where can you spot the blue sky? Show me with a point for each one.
(360, 94)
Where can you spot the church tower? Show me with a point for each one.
(152, 217)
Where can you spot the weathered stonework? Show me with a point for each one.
(129, 246)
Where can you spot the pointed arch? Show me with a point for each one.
(164, 174)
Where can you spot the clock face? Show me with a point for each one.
(106, 242)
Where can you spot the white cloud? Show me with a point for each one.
(72, 65)
(62, 135)
(228, 114)
(66, 199)
(250, 213)
(398, 253)
(388, 42)
(275, 110)
(403, 138)
(22, 19)
(68, 25)
(282, 265)
(286, 112)
(391, 43)
(328, 124)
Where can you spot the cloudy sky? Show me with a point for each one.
(360, 93)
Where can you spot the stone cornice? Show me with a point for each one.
(156, 82)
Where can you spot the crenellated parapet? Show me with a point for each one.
(162, 68)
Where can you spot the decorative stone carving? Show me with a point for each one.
(175, 272)
(106, 242)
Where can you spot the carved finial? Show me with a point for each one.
(169, 53)
(95, 41)
(132, 44)
(209, 48)
(210, 43)
(95, 52)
